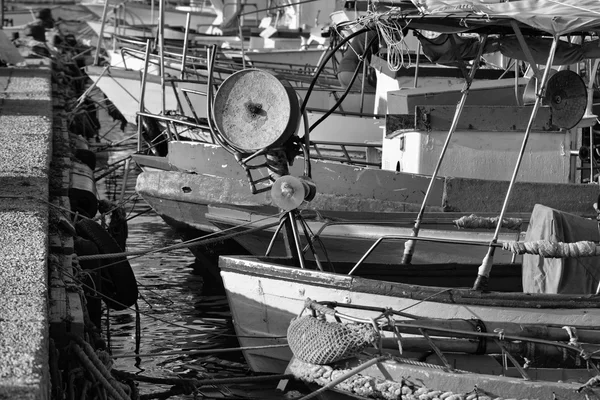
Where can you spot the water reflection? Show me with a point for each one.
(175, 316)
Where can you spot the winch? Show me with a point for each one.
(257, 115)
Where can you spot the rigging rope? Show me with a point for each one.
(474, 222)
(549, 249)
(204, 240)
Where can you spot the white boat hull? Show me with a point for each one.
(264, 297)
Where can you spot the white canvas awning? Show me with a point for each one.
(556, 17)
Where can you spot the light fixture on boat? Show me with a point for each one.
(566, 94)
(289, 192)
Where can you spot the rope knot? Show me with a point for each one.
(572, 332)
(500, 333)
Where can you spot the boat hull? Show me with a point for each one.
(264, 297)
(202, 176)
(122, 88)
(544, 383)
(351, 240)
(344, 187)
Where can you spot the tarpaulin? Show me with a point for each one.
(556, 17)
(557, 275)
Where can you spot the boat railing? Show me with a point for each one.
(322, 150)
(351, 153)
(315, 237)
(298, 75)
(348, 113)
(232, 61)
(121, 11)
(453, 241)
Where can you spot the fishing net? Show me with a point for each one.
(317, 341)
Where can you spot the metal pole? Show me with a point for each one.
(101, 34)
(241, 33)
(185, 44)
(1, 14)
(417, 62)
(143, 93)
(125, 178)
(161, 38)
(364, 75)
(486, 266)
(410, 244)
(590, 98)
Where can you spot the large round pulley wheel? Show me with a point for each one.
(566, 95)
(289, 192)
(253, 110)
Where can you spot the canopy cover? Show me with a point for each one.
(556, 17)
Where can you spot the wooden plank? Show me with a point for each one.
(483, 118)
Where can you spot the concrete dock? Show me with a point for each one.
(27, 126)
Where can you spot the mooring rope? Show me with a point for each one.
(200, 352)
(200, 382)
(550, 249)
(474, 222)
(91, 366)
(165, 321)
(202, 241)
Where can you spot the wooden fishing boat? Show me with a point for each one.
(136, 13)
(532, 313)
(173, 34)
(545, 294)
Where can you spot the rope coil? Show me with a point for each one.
(474, 222)
(549, 249)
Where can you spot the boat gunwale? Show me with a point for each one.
(254, 266)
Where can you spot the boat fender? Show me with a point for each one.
(80, 125)
(117, 227)
(153, 135)
(119, 283)
(84, 247)
(87, 157)
(82, 190)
